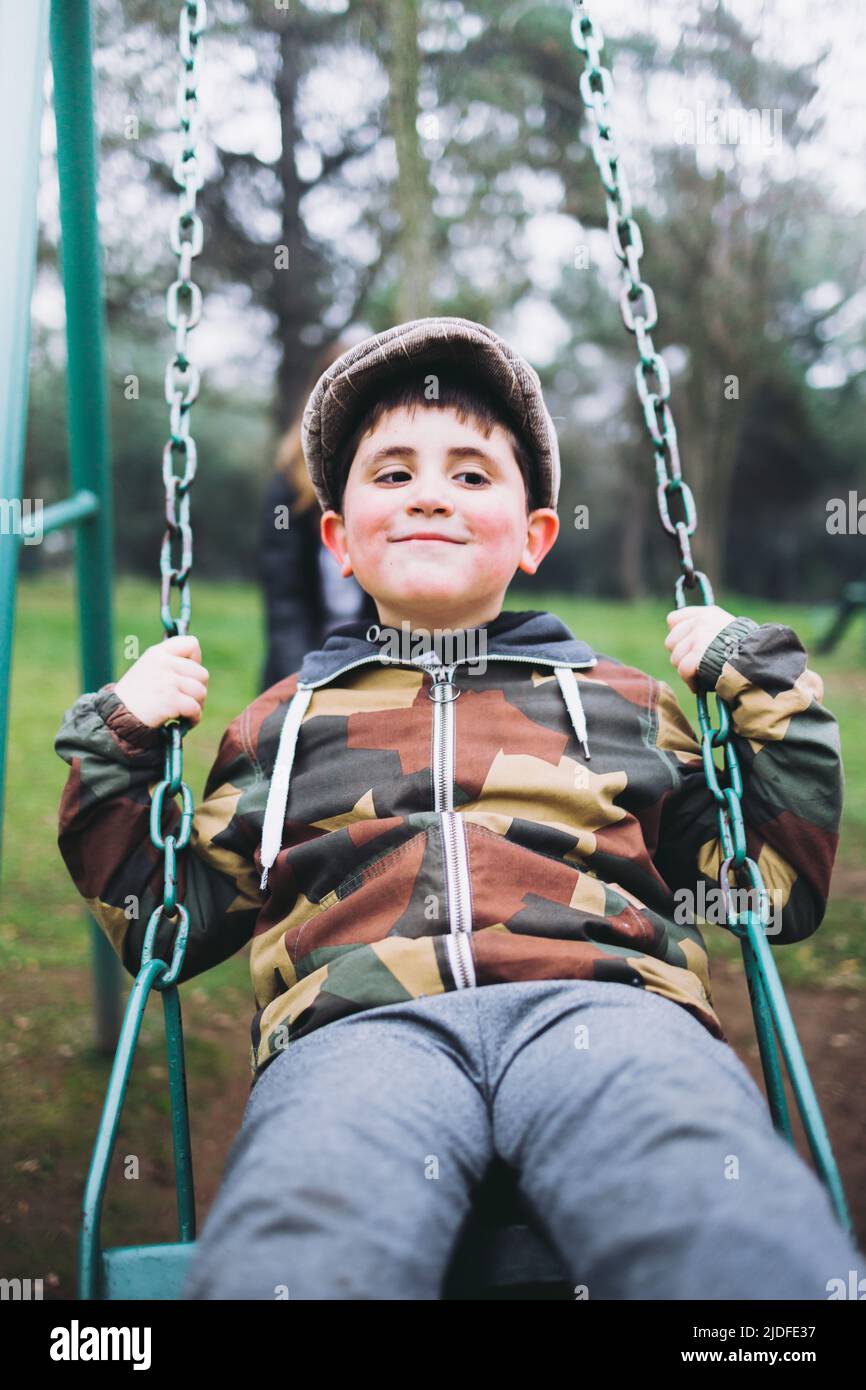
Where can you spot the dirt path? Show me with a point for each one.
(831, 1026)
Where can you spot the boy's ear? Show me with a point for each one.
(333, 532)
(542, 531)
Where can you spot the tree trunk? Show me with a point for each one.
(294, 295)
(413, 193)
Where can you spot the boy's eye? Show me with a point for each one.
(380, 478)
(399, 473)
(472, 473)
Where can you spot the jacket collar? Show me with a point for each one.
(538, 636)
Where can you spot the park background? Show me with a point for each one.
(432, 158)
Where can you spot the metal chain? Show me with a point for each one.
(596, 88)
(182, 380)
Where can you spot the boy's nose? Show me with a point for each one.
(428, 502)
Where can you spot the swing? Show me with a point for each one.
(851, 602)
(501, 1251)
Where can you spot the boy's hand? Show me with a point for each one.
(691, 632)
(167, 682)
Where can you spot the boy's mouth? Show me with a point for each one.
(429, 536)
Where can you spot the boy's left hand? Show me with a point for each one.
(691, 632)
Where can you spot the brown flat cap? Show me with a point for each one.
(350, 384)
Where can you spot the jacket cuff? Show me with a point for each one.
(132, 735)
(723, 647)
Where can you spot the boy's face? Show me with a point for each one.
(426, 472)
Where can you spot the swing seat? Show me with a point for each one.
(500, 1254)
(144, 1271)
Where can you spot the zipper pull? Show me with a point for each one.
(442, 683)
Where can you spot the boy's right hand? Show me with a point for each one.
(167, 682)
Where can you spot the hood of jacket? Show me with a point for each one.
(538, 636)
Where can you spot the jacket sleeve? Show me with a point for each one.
(104, 834)
(788, 746)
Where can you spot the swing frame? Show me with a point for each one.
(501, 1251)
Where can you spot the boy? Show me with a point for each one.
(397, 830)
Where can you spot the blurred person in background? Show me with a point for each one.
(305, 594)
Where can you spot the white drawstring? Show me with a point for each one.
(278, 796)
(571, 693)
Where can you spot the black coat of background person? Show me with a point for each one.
(305, 595)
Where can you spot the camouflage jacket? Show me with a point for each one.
(381, 830)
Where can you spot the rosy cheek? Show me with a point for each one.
(366, 528)
(498, 536)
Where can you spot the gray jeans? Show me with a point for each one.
(641, 1142)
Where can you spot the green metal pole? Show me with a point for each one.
(72, 63)
(23, 56)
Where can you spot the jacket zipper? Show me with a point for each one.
(444, 693)
(454, 841)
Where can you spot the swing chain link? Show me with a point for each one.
(596, 87)
(182, 380)
(183, 312)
